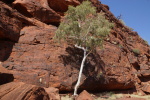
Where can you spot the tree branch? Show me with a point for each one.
(80, 47)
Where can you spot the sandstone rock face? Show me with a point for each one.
(53, 93)
(38, 9)
(28, 49)
(62, 5)
(48, 11)
(39, 57)
(22, 91)
(9, 25)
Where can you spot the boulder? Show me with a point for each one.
(9, 26)
(11, 22)
(22, 91)
(61, 6)
(38, 9)
(53, 93)
(84, 95)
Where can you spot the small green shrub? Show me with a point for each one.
(136, 51)
(122, 21)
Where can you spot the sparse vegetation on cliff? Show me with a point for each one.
(136, 51)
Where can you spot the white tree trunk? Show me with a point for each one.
(81, 70)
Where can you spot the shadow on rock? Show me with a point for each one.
(5, 49)
(6, 78)
(93, 67)
(10, 27)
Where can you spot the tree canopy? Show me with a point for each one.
(84, 27)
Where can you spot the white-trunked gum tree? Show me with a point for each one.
(85, 29)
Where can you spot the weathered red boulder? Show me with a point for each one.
(38, 9)
(9, 26)
(61, 6)
(22, 91)
(53, 93)
(11, 22)
(84, 95)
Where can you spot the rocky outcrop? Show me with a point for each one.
(38, 9)
(62, 6)
(28, 49)
(22, 91)
(11, 22)
(47, 11)
(84, 95)
(53, 93)
(9, 26)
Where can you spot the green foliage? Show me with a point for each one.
(122, 21)
(84, 27)
(136, 51)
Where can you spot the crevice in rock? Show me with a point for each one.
(7, 39)
(136, 66)
(6, 46)
(21, 9)
(54, 23)
(145, 79)
(6, 78)
(8, 1)
(61, 6)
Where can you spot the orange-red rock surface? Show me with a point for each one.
(22, 91)
(27, 49)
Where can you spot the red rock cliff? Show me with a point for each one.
(27, 49)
